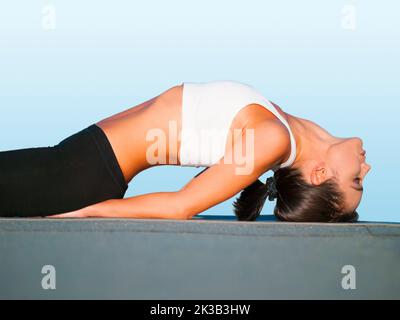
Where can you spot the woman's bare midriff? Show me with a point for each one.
(135, 132)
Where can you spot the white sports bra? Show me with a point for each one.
(208, 109)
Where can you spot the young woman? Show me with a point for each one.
(226, 126)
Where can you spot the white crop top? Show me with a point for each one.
(208, 109)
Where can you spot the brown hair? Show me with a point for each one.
(297, 200)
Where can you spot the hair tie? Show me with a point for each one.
(271, 187)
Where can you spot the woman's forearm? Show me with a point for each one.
(158, 205)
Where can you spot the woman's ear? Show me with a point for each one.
(319, 173)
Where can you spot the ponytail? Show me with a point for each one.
(252, 199)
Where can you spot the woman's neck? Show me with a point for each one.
(311, 139)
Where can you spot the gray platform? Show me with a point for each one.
(209, 257)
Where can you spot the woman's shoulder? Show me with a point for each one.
(271, 138)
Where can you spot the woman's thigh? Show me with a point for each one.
(62, 178)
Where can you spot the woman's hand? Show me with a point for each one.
(86, 212)
(73, 214)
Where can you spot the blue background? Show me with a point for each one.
(101, 57)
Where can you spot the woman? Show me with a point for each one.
(226, 126)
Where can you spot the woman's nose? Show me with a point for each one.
(358, 141)
(368, 168)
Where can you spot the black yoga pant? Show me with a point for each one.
(81, 170)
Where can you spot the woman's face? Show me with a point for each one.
(346, 161)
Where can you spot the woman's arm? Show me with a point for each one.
(157, 205)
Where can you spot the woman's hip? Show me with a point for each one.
(81, 170)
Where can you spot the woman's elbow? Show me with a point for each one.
(180, 216)
(184, 208)
(180, 211)
(187, 213)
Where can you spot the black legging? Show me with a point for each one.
(81, 170)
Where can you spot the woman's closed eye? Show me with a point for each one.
(359, 185)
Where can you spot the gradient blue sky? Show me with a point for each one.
(333, 62)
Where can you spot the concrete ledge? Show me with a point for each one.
(209, 257)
